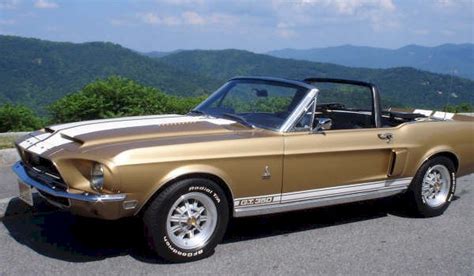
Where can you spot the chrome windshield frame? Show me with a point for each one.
(300, 110)
(297, 112)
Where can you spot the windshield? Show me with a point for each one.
(260, 103)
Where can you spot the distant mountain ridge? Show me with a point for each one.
(402, 86)
(156, 54)
(38, 72)
(453, 59)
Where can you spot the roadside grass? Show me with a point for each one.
(6, 142)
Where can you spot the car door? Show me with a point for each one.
(354, 156)
(335, 158)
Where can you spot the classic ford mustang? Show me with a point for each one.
(256, 146)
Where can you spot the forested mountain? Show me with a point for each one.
(156, 54)
(405, 86)
(37, 72)
(457, 59)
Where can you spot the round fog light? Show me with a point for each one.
(97, 177)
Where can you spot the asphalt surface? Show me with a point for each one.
(8, 187)
(374, 237)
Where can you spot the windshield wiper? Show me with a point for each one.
(239, 119)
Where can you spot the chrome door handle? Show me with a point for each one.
(386, 136)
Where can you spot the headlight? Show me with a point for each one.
(97, 177)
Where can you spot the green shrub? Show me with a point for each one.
(460, 108)
(117, 97)
(18, 118)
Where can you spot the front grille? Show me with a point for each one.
(41, 164)
(43, 171)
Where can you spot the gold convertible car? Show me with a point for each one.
(256, 146)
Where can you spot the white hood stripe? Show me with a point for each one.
(48, 141)
(123, 119)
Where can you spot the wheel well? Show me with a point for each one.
(212, 177)
(451, 156)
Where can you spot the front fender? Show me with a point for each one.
(183, 171)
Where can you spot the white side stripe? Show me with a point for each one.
(390, 184)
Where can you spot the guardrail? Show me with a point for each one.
(14, 134)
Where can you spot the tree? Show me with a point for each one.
(117, 97)
(18, 118)
(460, 108)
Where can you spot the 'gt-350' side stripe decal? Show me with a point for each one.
(323, 193)
(260, 200)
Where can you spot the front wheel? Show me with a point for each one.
(187, 220)
(432, 187)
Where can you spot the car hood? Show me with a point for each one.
(93, 134)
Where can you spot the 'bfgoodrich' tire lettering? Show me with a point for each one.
(156, 215)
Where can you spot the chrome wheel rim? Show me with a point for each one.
(435, 187)
(191, 220)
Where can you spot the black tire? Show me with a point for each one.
(415, 200)
(156, 215)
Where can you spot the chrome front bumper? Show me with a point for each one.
(19, 169)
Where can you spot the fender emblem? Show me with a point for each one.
(266, 173)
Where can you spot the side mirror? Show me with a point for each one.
(323, 124)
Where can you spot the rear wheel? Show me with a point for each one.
(432, 187)
(187, 220)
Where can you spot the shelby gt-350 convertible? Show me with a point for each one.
(256, 146)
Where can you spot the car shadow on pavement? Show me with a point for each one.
(60, 235)
(291, 222)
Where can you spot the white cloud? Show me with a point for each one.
(117, 22)
(446, 3)
(193, 18)
(9, 4)
(284, 30)
(447, 32)
(223, 19)
(7, 22)
(380, 14)
(171, 21)
(182, 2)
(351, 7)
(453, 5)
(150, 18)
(347, 7)
(45, 4)
(53, 29)
(421, 31)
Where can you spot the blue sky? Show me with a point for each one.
(259, 26)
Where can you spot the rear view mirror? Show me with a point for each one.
(261, 93)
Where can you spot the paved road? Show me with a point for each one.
(363, 238)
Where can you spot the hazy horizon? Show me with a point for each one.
(217, 49)
(262, 26)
